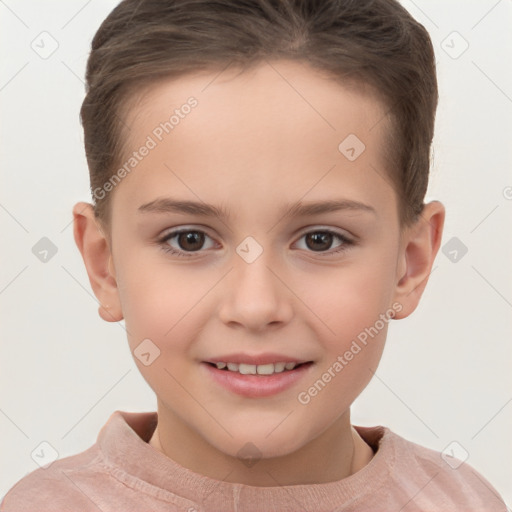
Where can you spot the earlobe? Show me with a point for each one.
(94, 247)
(419, 249)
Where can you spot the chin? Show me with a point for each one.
(256, 443)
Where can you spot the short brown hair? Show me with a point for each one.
(375, 42)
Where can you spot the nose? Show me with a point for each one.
(254, 296)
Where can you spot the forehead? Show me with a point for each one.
(273, 130)
(271, 94)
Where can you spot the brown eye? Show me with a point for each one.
(186, 242)
(325, 242)
(319, 241)
(191, 240)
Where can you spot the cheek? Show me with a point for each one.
(162, 302)
(352, 335)
(352, 298)
(350, 302)
(161, 305)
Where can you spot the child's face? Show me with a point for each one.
(253, 146)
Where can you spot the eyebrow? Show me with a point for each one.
(299, 209)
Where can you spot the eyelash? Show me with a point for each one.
(347, 243)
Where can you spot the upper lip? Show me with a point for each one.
(256, 359)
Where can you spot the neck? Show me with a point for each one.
(333, 455)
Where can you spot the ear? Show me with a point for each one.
(96, 253)
(419, 247)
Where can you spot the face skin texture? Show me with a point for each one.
(256, 143)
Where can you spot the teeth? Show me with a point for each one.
(265, 369)
(279, 367)
(253, 369)
(247, 369)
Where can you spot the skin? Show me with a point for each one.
(254, 146)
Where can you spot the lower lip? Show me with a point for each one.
(257, 386)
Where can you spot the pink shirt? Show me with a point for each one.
(121, 472)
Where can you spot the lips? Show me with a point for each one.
(256, 385)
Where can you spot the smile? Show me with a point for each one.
(256, 381)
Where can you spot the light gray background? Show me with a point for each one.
(445, 374)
